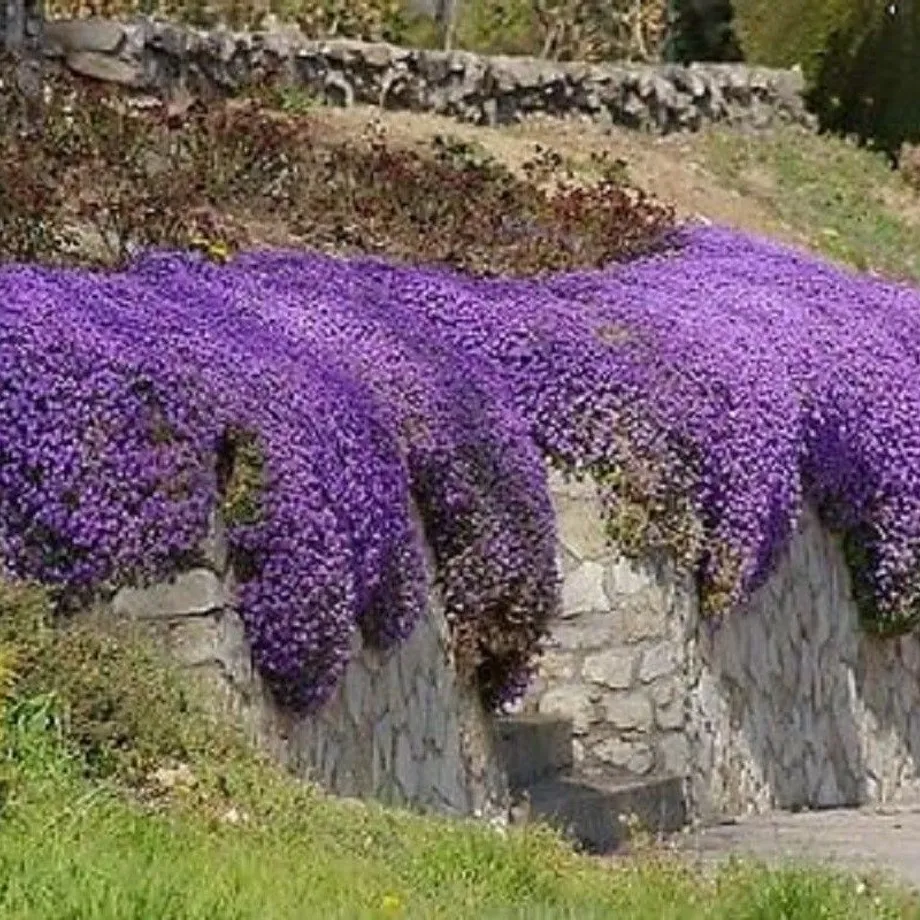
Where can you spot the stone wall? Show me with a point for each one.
(160, 58)
(615, 661)
(786, 704)
(792, 704)
(400, 727)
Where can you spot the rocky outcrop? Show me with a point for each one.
(162, 58)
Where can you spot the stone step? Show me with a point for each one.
(534, 747)
(591, 808)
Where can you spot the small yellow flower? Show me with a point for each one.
(218, 251)
(391, 904)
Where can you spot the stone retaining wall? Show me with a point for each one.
(615, 660)
(400, 727)
(792, 704)
(20, 24)
(161, 58)
(784, 705)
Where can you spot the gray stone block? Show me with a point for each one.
(614, 669)
(95, 35)
(106, 68)
(634, 758)
(583, 589)
(532, 747)
(195, 641)
(571, 701)
(192, 593)
(594, 810)
(580, 528)
(215, 546)
(659, 661)
(629, 711)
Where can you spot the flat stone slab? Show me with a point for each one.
(195, 592)
(593, 809)
(882, 839)
(533, 747)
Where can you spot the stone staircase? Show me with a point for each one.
(590, 807)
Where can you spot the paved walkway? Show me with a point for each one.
(885, 839)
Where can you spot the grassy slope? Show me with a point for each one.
(121, 797)
(70, 847)
(73, 846)
(820, 193)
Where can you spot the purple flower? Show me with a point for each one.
(717, 387)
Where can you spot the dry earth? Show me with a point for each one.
(673, 166)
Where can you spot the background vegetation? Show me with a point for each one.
(857, 55)
(101, 180)
(558, 29)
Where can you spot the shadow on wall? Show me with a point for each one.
(793, 705)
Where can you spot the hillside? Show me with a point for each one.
(818, 192)
(128, 390)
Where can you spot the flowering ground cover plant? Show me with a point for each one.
(343, 414)
(712, 389)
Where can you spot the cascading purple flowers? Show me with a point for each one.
(751, 376)
(711, 389)
(357, 417)
(333, 522)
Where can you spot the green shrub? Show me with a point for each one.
(702, 32)
(782, 33)
(125, 710)
(868, 84)
(858, 56)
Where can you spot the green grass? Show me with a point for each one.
(81, 836)
(70, 849)
(845, 202)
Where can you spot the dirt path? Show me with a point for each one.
(885, 840)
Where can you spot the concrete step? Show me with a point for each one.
(534, 747)
(591, 808)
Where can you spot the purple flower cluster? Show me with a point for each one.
(719, 385)
(734, 379)
(119, 391)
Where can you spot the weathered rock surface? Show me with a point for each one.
(164, 58)
(400, 726)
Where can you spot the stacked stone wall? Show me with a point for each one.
(163, 59)
(400, 727)
(785, 704)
